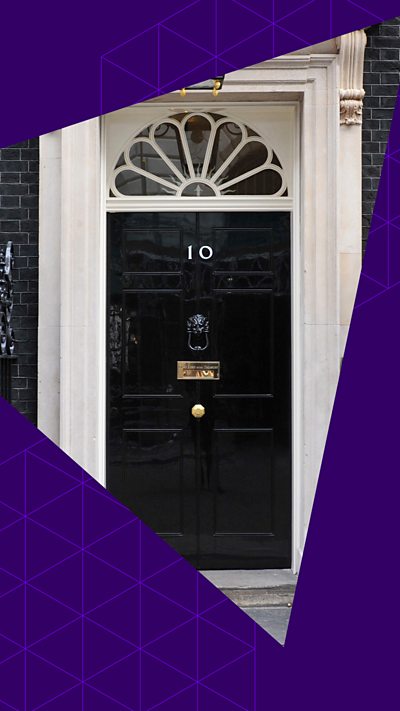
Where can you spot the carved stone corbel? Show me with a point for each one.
(351, 93)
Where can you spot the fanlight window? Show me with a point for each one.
(198, 155)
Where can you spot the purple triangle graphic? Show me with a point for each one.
(102, 582)
(233, 681)
(120, 86)
(44, 549)
(178, 581)
(243, 25)
(63, 648)
(12, 624)
(63, 582)
(45, 615)
(12, 541)
(264, 38)
(121, 615)
(215, 701)
(174, 45)
(98, 701)
(189, 23)
(368, 289)
(121, 549)
(63, 516)
(102, 515)
(45, 681)
(121, 682)
(44, 482)
(169, 681)
(169, 648)
(209, 595)
(153, 558)
(49, 451)
(67, 701)
(7, 582)
(7, 649)
(159, 615)
(222, 648)
(228, 617)
(302, 23)
(12, 686)
(102, 649)
(7, 517)
(139, 58)
(12, 474)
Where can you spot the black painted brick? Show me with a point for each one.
(387, 89)
(19, 183)
(381, 80)
(10, 154)
(14, 166)
(9, 201)
(10, 177)
(13, 188)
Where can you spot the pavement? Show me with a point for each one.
(265, 595)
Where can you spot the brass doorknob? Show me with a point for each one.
(198, 411)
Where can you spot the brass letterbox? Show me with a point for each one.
(198, 370)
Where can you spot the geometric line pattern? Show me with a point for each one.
(94, 606)
(211, 37)
(140, 50)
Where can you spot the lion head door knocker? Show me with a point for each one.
(197, 328)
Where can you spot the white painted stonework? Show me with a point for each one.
(351, 94)
(294, 103)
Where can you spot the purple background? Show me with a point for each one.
(64, 64)
(96, 612)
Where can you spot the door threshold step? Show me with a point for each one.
(280, 596)
(255, 588)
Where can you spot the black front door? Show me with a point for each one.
(215, 288)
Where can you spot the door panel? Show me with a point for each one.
(155, 458)
(217, 488)
(243, 481)
(240, 340)
(150, 352)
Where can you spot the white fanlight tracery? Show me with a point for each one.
(197, 155)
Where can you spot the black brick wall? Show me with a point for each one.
(381, 80)
(19, 188)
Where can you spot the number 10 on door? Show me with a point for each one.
(205, 252)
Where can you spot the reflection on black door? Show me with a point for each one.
(217, 488)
